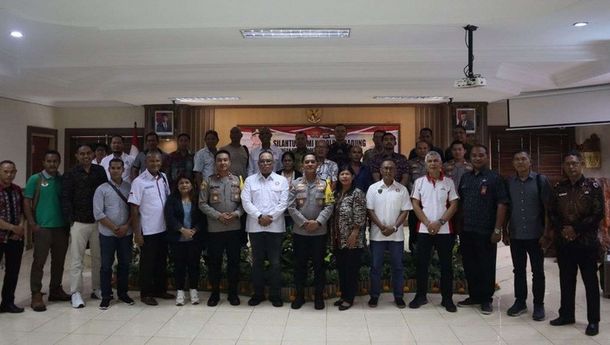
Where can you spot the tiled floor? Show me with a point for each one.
(264, 324)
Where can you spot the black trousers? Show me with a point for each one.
(306, 248)
(348, 265)
(412, 220)
(444, 247)
(12, 251)
(519, 251)
(266, 245)
(219, 243)
(186, 256)
(153, 265)
(479, 259)
(570, 258)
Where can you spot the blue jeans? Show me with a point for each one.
(109, 245)
(396, 250)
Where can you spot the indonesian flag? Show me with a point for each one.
(133, 152)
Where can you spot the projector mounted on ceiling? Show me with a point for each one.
(471, 79)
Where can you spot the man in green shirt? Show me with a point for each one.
(45, 220)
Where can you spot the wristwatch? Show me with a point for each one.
(442, 221)
(497, 231)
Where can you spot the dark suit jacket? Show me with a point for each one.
(174, 216)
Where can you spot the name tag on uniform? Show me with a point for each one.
(149, 187)
(562, 194)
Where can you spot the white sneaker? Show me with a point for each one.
(180, 297)
(194, 296)
(77, 300)
(96, 294)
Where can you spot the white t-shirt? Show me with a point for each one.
(434, 197)
(150, 193)
(387, 202)
(127, 163)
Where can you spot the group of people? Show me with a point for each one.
(175, 204)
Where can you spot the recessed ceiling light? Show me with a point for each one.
(295, 33)
(16, 34)
(420, 99)
(580, 24)
(205, 99)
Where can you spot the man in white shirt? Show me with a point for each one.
(204, 162)
(117, 145)
(265, 198)
(388, 204)
(431, 195)
(265, 138)
(148, 194)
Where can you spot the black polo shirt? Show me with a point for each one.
(77, 193)
(480, 193)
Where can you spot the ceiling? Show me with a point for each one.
(112, 52)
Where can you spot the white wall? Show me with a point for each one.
(15, 117)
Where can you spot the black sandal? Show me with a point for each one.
(338, 302)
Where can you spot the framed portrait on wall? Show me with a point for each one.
(466, 117)
(164, 122)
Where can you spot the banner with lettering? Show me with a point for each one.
(283, 136)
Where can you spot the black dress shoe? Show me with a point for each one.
(126, 299)
(10, 308)
(449, 306)
(214, 299)
(233, 300)
(338, 302)
(592, 329)
(345, 305)
(148, 300)
(373, 301)
(255, 300)
(417, 302)
(276, 302)
(561, 322)
(297, 303)
(318, 303)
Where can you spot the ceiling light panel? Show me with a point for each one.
(417, 99)
(295, 33)
(16, 34)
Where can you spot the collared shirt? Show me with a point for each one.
(204, 162)
(434, 197)
(328, 170)
(48, 209)
(307, 202)
(11, 209)
(387, 202)
(150, 193)
(265, 196)
(140, 161)
(77, 193)
(239, 160)
(220, 194)
(107, 203)
(580, 205)
(527, 206)
(449, 154)
(127, 163)
(455, 170)
(480, 194)
(339, 152)
(179, 165)
(298, 158)
(402, 164)
(277, 159)
(417, 169)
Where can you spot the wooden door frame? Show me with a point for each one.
(31, 131)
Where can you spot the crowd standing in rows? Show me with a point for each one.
(181, 202)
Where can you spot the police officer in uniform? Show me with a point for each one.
(577, 207)
(310, 211)
(220, 201)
